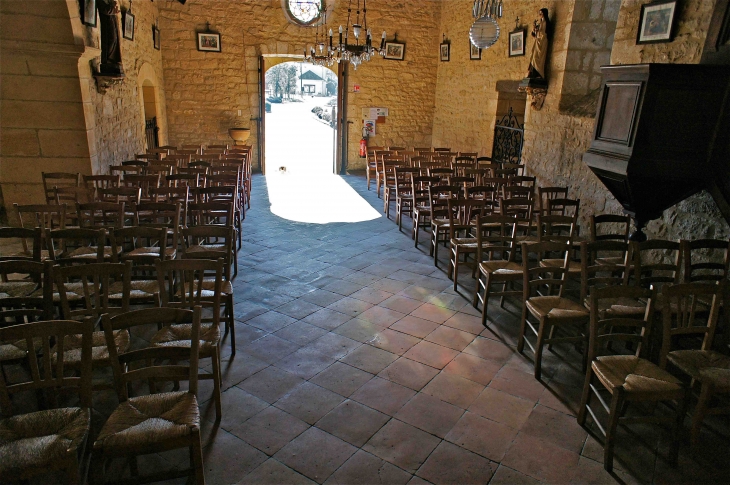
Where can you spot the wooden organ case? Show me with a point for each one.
(662, 134)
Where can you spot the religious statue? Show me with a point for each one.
(541, 31)
(111, 53)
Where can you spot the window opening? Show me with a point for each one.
(306, 12)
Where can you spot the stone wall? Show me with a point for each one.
(208, 89)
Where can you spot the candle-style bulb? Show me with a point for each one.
(340, 29)
(330, 32)
(383, 35)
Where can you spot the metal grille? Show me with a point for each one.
(152, 133)
(509, 136)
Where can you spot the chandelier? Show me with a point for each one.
(361, 50)
(485, 30)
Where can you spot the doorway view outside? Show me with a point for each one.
(301, 103)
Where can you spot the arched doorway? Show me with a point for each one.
(152, 107)
(151, 128)
(301, 106)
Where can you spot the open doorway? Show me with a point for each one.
(149, 100)
(300, 113)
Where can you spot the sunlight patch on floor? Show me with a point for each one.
(317, 199)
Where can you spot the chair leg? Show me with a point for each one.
(217, 382)
(230, 323)
(538, 347)
(678, 425)
(585, 398)
(523, 329)
(485, 302)
(197, 454)
(613, 415)
(700, 411)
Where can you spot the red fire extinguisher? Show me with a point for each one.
(363, 147)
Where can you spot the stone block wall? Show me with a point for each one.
(208, 89)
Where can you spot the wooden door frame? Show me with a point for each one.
(262, 114)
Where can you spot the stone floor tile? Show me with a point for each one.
(483, 436)
(327, 319)
(353, 422)
(392, 341)
(416, 480)
(451, 464)
(561, 397)
(416, 327)
(309, 402)
(333, 345)
(222, 466)
(451, 301)
(541, 460)
(431, 354)
(237, 406)
(342, 378)
(246, 310)
(502, 407)
(270, 430)
(430, 414)
(315, 454)
(364, 468)
(434, 313)
(236, 369)
(592, 473)
(402, 445)
(454, 389)
(245, 334)
(270, 348)
(298, 309)
(383, 395)
(270, 384)
(350, 306)
(490, 350)
(361, 278)
(418, 293)
(508, 476)
(305, 362)
(518, 383)
(271, 321)
(382, 317)
(343, 287)
(300, 333)
(322, 297)
(359, 330)
(391, 286)
(450, 337)
(409, 373)
(272, 472)
(369, 359)
(371, 295)
(465, 323)
(473, 368)
(401, 304)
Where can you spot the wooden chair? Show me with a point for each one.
(596, 272)
(371, 166)
(77, 246)
(51, 180)
(421, 204)
(705, 260)
(144, 183)
(387, 179)
(544, 194)
(85, 295)
(94, 182)
(550, 310)
(156, 422)
(686, 323)
(15, 243)
(656, 262)
(495, 260)
(610, 227)
(462, 228)
(403, 198)
(107, 215)
(21, 278)
(626, 378)
(183, 285)
(20, 310)
(142, 247)
(52, 440)
(438, 199)
(42, 216)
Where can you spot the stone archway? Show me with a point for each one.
(151, 100)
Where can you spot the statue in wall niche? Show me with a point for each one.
(535, 83)
(111, 52)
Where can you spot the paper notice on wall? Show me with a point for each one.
(370, 126)
(381, 112)
(374, 113)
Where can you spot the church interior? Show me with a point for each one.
(514, 273)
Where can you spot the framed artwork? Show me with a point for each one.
(127, 25)
(395, 51)
(88, 12)
(156, 37)
(209, 42)
(517, 43)
(656, 23)
(475, 53)
(445, 52)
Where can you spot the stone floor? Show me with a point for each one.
(357, 363)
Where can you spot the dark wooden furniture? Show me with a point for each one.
(658, 136)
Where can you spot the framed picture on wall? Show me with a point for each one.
(88, 12)
(517, 43)
(127, 25)
(156, 37)
(209, 42)
(475, 53)
(656, 22)
(395, 51)
(445, 52)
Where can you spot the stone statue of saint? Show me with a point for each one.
(111, 53)
(542, 31)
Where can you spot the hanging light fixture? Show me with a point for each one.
(484, 31)
(357, 52)
(320, 53)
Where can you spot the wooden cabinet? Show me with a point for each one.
(661, 135)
